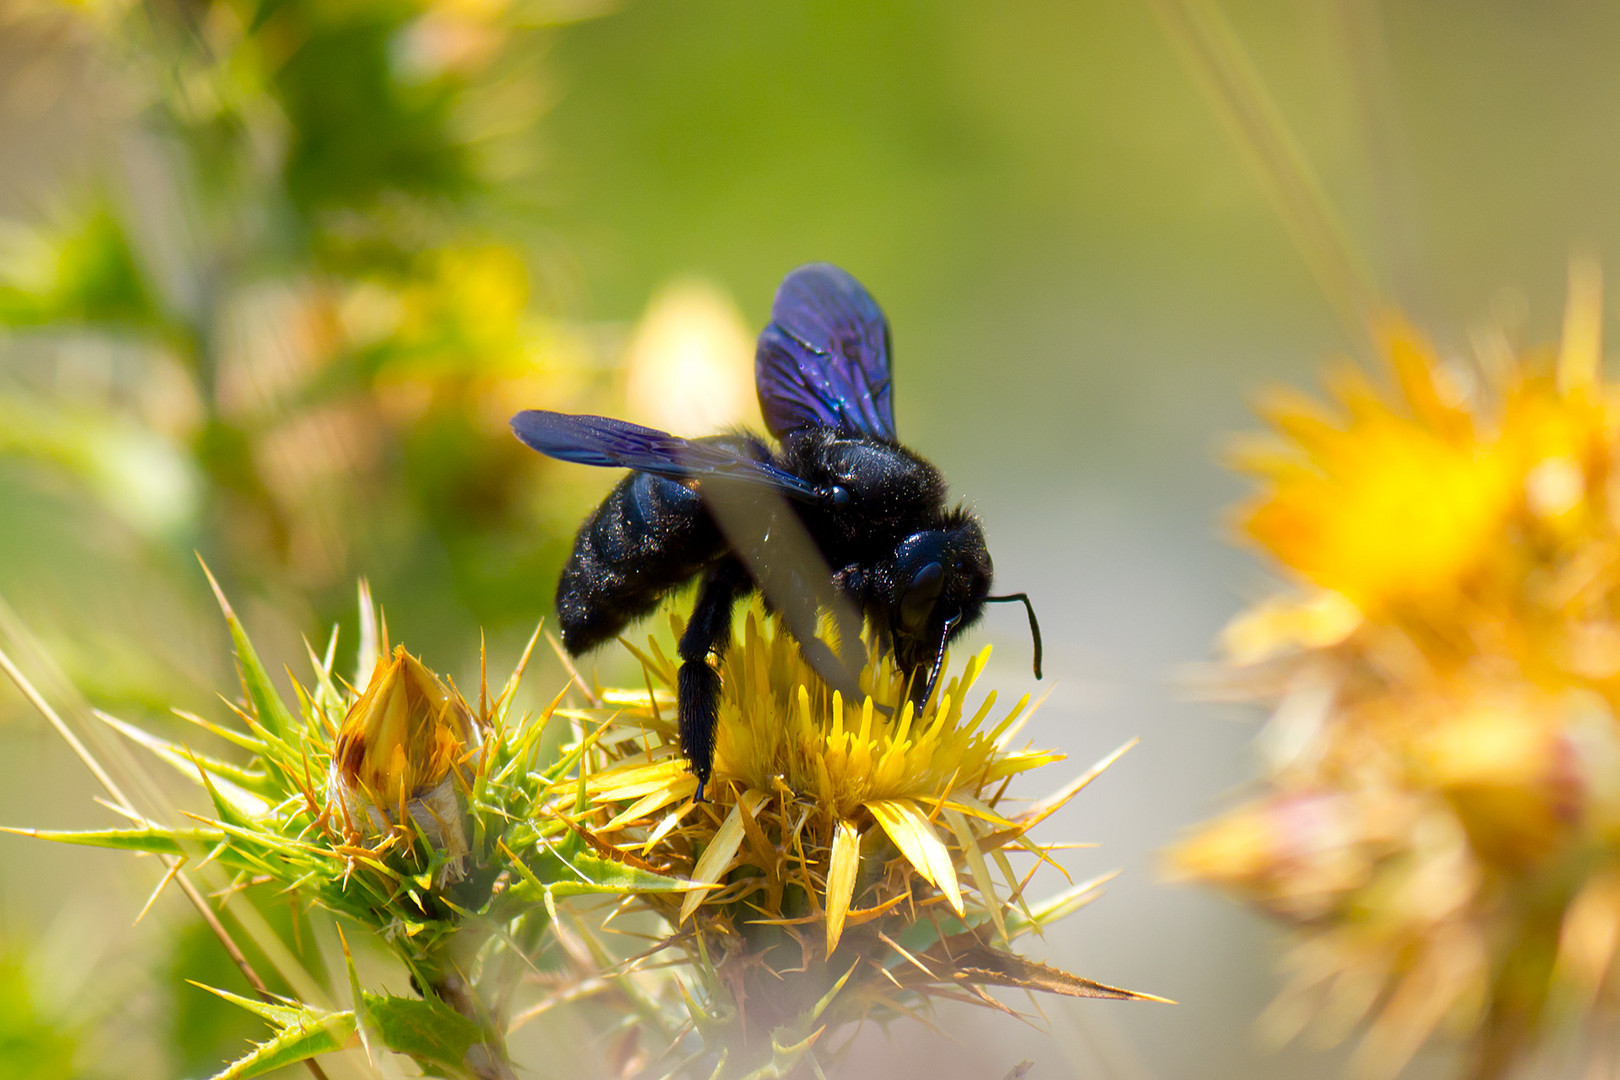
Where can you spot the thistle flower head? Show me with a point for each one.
(781, 726)
(404, 753)
(404, 734)
(856, 855)
(1445, 674)
(789, 747)
(1387, 505)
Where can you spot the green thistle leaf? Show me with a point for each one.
(268, 708)
(582, 874)
(598, 875)
(156, 841)
(426, 1030)
(254, 782)
(302, 1032)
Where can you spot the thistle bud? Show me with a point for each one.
(405, 751)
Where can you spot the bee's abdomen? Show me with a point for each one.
(647, 537)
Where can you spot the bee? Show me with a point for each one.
(883, 542)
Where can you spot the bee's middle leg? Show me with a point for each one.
(698, 688)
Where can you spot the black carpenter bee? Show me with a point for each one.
(719, 507)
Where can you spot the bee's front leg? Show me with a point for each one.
(698, 686)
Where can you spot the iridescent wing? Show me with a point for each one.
(745, 496)
(602, 441)
(824, 359)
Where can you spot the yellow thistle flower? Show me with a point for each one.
(836, 832)
(919, 779)
(1444, 753)
(1389, 505)
(402, 754)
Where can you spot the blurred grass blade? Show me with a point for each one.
(247, 917)
(1215, 56)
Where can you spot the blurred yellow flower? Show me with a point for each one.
(1389, 505)
(1444, 752)
(689, 366)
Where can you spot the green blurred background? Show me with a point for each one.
(272, 276)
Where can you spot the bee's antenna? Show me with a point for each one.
(1034, 626)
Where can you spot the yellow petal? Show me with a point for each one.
(981, 873)
(846, 858)
(917, 841)
(717, 857)
(637, 780)
(1417, 370)
(649, 804)
(662, 829)
(1006, 731)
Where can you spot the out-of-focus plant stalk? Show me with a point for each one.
(1215, 56)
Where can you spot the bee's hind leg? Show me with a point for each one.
(698, 689)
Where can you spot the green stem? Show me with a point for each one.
(486, 1060)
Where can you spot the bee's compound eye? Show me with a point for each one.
(917, 603)
(840, 495)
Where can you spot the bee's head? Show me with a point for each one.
(936, 585)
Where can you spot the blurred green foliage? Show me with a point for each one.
(33, 1046)
(278, 317)
(283, 324)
